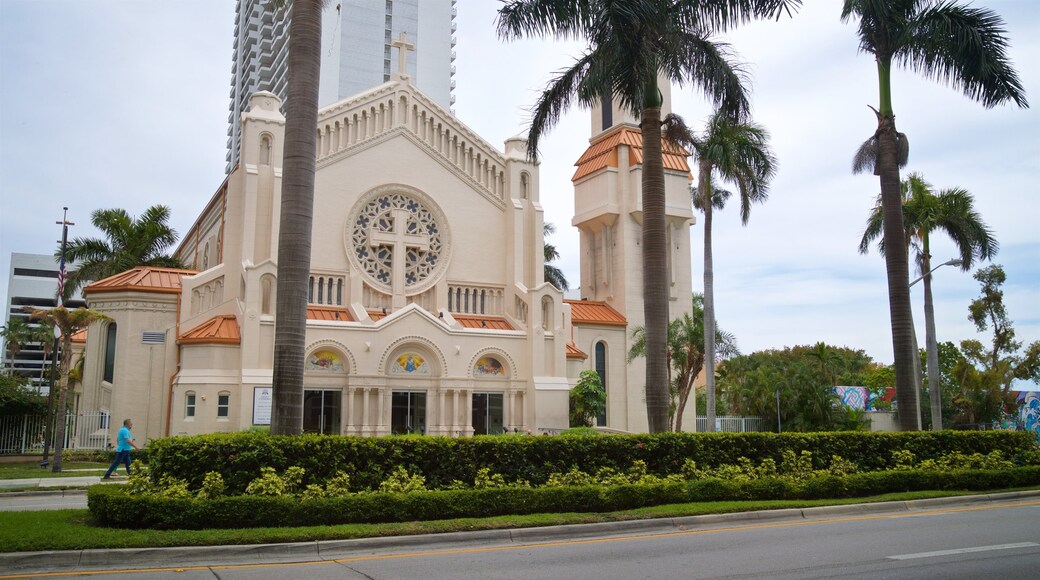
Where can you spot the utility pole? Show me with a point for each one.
(59, 302)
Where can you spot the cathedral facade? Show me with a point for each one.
(427, 311)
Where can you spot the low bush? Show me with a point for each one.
(116, 507)
(443, 461)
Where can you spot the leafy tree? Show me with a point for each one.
(588, 400)
(985, 374)
(736, 150)
(128, 242)
(750, 384)
(553, 275)
(951, 211)
(685, 355)
(631, 46)
(17, 397)
(69, 322)
(958, 45)
(297, 213)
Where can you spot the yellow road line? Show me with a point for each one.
(489, 549)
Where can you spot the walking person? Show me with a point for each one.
(125, 441)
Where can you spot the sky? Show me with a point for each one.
(124, 104)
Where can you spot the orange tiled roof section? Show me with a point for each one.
(604, 153)
(142, 279)
(492, 322)
(328, 313)
(574, 352)
(376, 315)
(217, 330)
(80, 336)
(595, 312)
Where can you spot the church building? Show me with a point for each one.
(428, 310)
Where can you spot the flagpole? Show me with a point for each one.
(59, 302)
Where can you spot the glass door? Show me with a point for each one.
(321, 411)
(487, 414)
(408, 413)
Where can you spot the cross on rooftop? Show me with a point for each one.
(403, 46)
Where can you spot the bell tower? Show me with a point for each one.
(609, 215)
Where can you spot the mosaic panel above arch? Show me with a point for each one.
(395, 222)
(328, 357)
(427, 359)
(490, 366)
(492, 363)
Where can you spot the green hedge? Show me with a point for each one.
(113, 506)
(441, 460)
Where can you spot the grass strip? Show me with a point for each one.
(73, 529)
(33, 470)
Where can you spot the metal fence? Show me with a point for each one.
(23, 434)
(735, 424)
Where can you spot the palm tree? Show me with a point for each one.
(828, 360)
(129, 242)
(16, 333)
(631, 45)
(685, 355)
(553, 275)
(952, 211)
(738, 151)
(69, 322)
(297, 214)
(958, 45)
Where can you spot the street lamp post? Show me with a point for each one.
(931, 346)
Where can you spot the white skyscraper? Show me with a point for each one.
(356, 52)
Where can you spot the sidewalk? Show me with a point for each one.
(46, 482)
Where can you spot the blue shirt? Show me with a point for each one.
(123, 439)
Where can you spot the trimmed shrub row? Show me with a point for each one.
(114, 507)
(442, 460)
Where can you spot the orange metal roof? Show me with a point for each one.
(142, 279)
(604, 153)
(492, 322)
(376, 315)
(595, 312)
(80, 335)
(216, 330)
(575, 352)
(328, 313)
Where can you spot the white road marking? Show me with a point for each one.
(963, 551)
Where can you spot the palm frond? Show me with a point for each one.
(966, 48)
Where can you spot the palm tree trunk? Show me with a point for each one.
(63, 394)
(655, 272)
(897, 269)
(294, 236)
(934, 388)
(704, 186)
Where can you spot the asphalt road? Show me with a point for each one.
(928, 539)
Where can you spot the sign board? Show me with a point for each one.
(262, 397)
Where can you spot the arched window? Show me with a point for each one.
(205, 257)
(110, 353)
(189, 405)
(223, 405)
(601, 370)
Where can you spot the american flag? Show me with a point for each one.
(61, 281)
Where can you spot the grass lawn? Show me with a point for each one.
(68, 469)
(72, 529)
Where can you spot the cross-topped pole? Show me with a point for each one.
(403, 46)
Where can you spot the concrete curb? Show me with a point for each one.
(331, 549)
